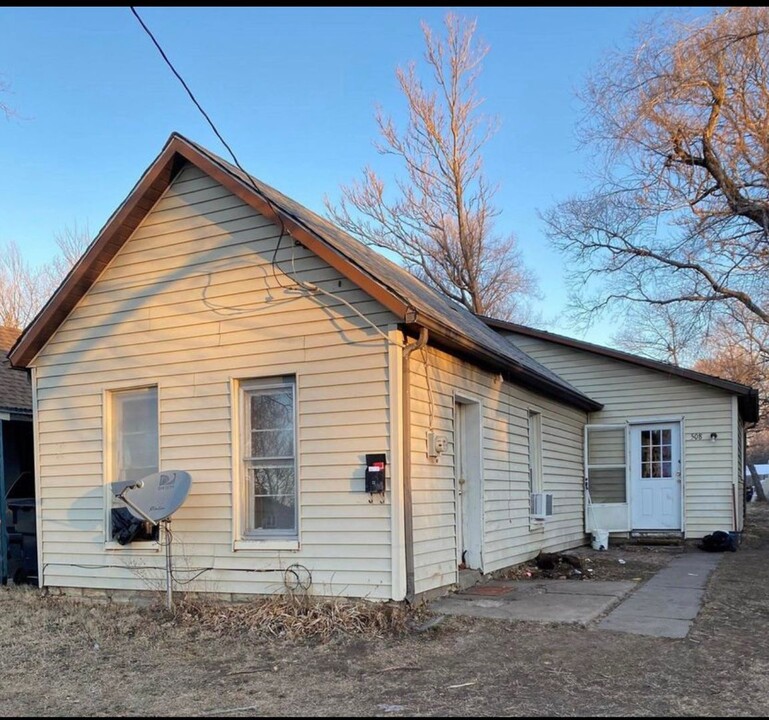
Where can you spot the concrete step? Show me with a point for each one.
(655, 537)
(468, 578)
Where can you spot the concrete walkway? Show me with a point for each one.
(563, 601)
(666, 605)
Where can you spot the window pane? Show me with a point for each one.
(134, 450)
(607, 485)
(646, 436)
(273, 480)
(139, 411)
(667, 452)
(134, 434)
(606, 446)
(666, 437)
(272, 443)
(272, 409)
(667, 469)
(275, 512)
(655, 437)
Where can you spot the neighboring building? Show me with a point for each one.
(218, 327)
(17, 509)
(666, 451)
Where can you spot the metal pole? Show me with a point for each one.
(169, 579)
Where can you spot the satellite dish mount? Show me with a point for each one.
(154, 499)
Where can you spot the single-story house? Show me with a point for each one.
(665, 452)
(17, 529)
(346, 427)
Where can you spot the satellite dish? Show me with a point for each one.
(155, 497)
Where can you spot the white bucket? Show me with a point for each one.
(600, 540)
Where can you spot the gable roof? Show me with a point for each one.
(747, 396)
(451, 325)
(15, 389)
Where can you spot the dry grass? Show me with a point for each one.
(67, 658)
(297, 617)
(291, 617)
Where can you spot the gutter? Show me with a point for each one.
(408, 509)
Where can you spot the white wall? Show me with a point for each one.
(190, 302)
(632, 392)
(508, 537)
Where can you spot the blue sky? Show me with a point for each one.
(293, 91)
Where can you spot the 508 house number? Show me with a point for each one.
(695, 436)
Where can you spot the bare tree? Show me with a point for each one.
(736, 352)
(680, 210)
(441, 220)
(664, 332)
(72, 242)
(25, 287)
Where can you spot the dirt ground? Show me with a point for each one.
(60, 658)
(620, 562)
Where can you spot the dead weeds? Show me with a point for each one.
(298, 617)
(291, 617)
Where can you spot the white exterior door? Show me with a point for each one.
(655, 479)
(468, 484)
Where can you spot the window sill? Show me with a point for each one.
(274, 544)
(141, 546)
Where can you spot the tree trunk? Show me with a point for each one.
(758, 488)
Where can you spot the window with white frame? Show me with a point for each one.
(133, 455)
(535, 452)
(606, 463)
(268, 447)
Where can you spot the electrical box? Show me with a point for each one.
(375, 473)
(436, 444)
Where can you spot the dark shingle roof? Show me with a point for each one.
(15, 390)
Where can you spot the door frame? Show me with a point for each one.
(615, 517)
(477, 525)
(676, 420)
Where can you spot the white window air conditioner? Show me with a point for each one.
(541, 505)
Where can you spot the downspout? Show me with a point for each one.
(408, 516)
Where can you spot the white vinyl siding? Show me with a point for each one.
(192, 303)
(507, 538)
(630, 392)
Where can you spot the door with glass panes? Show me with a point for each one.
(655, 476)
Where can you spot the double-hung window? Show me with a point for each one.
(268, 410)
